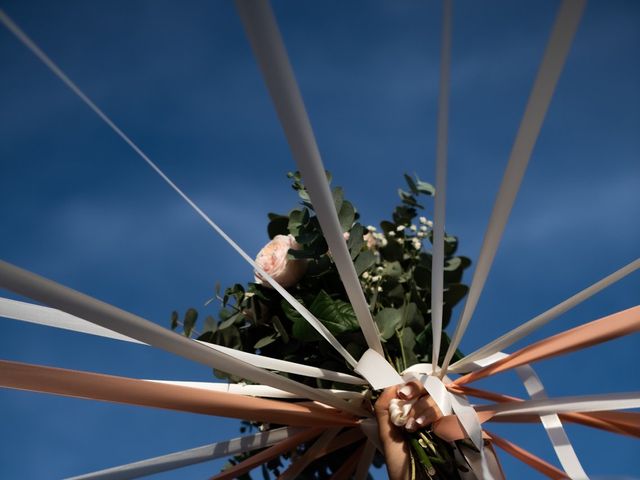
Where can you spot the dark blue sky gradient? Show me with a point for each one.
(79, 207)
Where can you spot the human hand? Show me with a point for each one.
(423, 413)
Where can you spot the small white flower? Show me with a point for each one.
(379, 269)
(392, 234)
(379, 289)
(399, 411)
(400, 228)
(376, 278)
(423, 228)
(423, 220)
(413, 227)
(365, 275)
(429, 223)
(417, 244)
(371, 228)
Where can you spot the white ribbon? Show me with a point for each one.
(437, 262)
(378, 372)
(263, 34)
(51, 293)
(306, 314)
(192, 456)
(555, 55)
(578, 403)
(257, 390)
(551, 422)
(50, 317)
(532, 325)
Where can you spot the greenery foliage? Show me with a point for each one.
(394, 267)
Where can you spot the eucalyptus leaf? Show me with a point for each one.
(263, 342)
(364, 261)
(346, 215)
(388, 320)
(190, 317)
(174, 320)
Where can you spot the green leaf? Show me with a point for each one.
(338, 198)
(356, 240)
(190, 317)
(392, 269)
(388, 320)
(452, 264)
(454, 293)
(210, 324)
(230, 321)
(364, 261)
(174, 320)
(337, 315)
(263, 342)
(346, 215)
(277, 324)
(424, 187)
(300, 328)
(409, 342)
(412, 185)
(297, 218)
(278, 225)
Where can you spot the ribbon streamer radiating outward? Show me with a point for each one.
(554, 58)
(28, 312)
(51, 293)
(437, 268)
(268, 47)
(37, 378)
(306, 314)
(545, 317)
(192, 456)
(592, 333)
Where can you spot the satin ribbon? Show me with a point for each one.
(266, 42)
(192, 456)
(108, 316)
(268, 454)
(595, 332)
(555, 56)
(131, 391)
(50, 317)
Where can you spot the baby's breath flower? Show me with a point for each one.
(365, 275)
(423, 220)
(379, 289)
(417, 244)
(423, 228)
(429, 223)
(392, 233)
(371, 228)
(400, 228)
(413, 227)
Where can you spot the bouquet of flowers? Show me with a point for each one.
(394, 267)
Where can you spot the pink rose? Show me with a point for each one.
(273, 259)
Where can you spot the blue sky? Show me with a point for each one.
(77, 206)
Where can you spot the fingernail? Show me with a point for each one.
(405, 392)
(421, 421)
(410, 425)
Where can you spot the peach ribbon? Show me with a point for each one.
(595, 332)
(347, 468)
(131, 391)
(527, 457)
